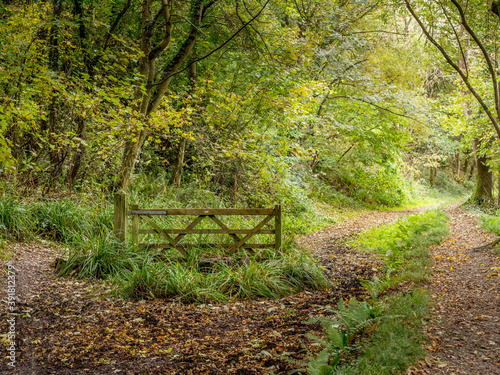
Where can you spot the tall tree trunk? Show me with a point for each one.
(77, 157)
(151, 100)
(51, 126)
(484, 179)
(179, 161)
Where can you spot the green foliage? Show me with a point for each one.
(379, 185)
(490, 223)
(15, 219)
(350, 320)
(64, 220)
(189, 282)
(407, 232)
(61, 220)
(403, 246)
(318, 115)
(97, 258)
(67, 221)
(150, 279)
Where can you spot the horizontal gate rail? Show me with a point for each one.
(198, 211)
(207, 231)
(210, 245)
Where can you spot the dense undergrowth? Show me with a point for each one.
(385, 335)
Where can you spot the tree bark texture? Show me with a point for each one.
(484, 182)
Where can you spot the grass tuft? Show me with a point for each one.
(186, 281)
(98, 258)
(15, 219)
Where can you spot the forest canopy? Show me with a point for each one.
(254, 101)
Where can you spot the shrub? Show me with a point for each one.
(98, 258)
(62, 220)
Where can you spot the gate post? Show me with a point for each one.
(135, 226)
(120, 216)
(277, 228)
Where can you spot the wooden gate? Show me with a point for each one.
(173, 237)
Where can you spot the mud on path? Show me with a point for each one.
(69, 326)
(465, 325)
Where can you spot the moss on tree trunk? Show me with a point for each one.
(484, 183)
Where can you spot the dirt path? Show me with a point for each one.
(68, 326)
(465, 326)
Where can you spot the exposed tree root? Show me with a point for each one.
(487, 246)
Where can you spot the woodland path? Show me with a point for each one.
(465, 324)
(67, 326)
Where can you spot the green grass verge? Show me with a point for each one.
(394, 342)
(403, 246)
(491, 223)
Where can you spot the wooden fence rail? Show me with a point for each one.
(239, 236)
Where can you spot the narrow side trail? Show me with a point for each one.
(465, 325)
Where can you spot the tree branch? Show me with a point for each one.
(115, 23)
(168, 33)
(454, 66)
(462, 52)
(320, 109)
(486, 57)
(375, 105)
(487, 246)
(214, 50)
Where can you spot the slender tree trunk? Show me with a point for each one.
(498, 189)
(432, 176)
(179, 161)
(466, 164)
(77, 157)
(55, 155)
